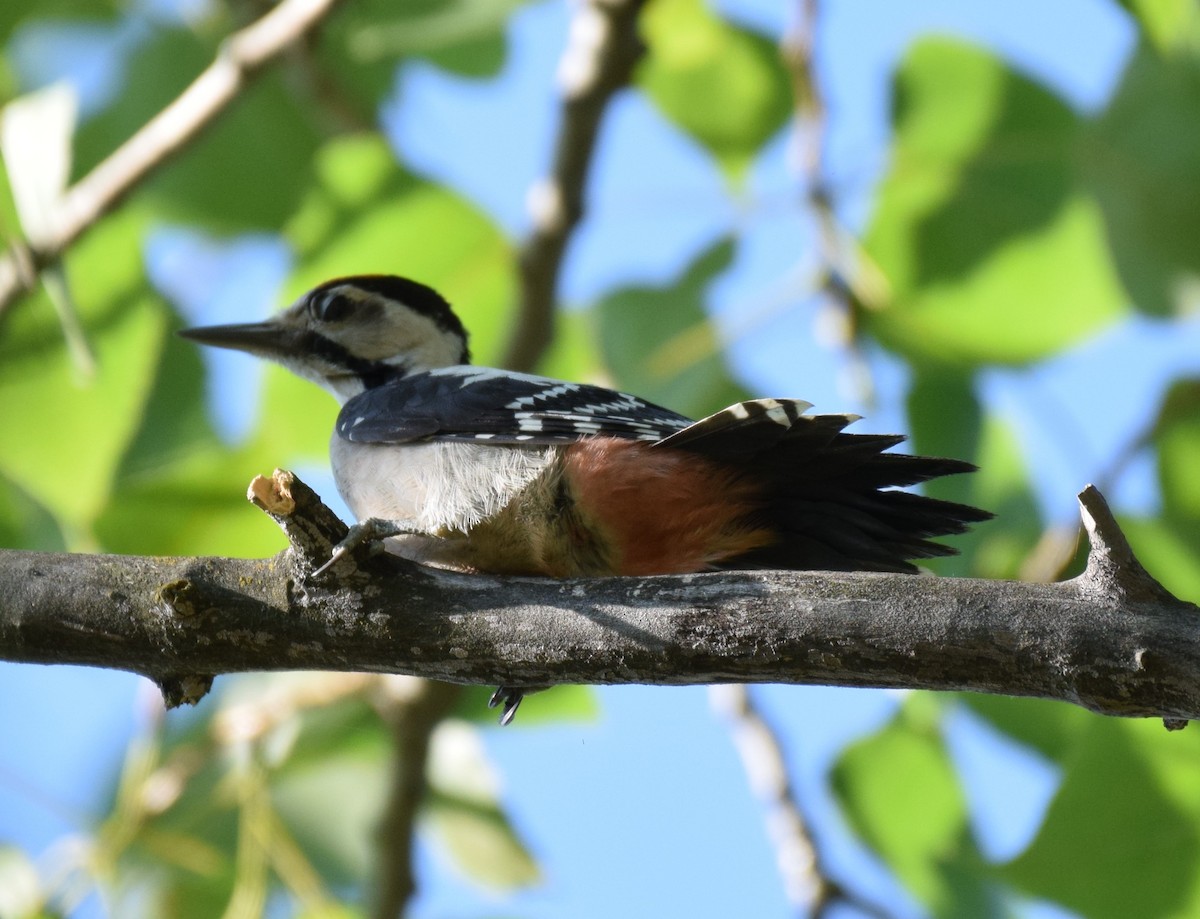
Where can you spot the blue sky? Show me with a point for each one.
(647, 812)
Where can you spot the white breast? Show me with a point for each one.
(431, 486)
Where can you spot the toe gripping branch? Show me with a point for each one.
(316, 533)
(312, 529)
(320, 540)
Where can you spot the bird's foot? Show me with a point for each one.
(510, 698)
(373, 529)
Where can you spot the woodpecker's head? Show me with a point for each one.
(352, 334)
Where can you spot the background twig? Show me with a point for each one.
(601, 52)
(412, 708)
(807, 884)
(243, 55)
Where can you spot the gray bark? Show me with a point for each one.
(1111, 640)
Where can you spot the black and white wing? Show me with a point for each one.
(494, 406)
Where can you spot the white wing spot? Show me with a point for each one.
(738, 411)
(779, 415)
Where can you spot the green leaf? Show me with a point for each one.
(1120, 838)
(195, 506)
(339, 841)
(723, 84)
(1177, 438)
(247, 171)
(57, 417)
(1051, 728)
(174, 425)
(366, 215)
(574, 352)
(900, 793)
(26, 524)
(992, 252)
(363, 42)
(1142, 158)
(16, 14)
(283, 745)
(998, 548)
(660, 344)
(464, 812)
(1170, 550)
(947, 420)
(1166, 23)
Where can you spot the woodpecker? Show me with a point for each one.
(486, 470)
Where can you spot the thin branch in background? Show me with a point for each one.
(602, 49)
(809, 889)
(1052, 556)
(844, 277)
(412, 707)
(242, 57)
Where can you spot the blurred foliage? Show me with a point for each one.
(1008, 227)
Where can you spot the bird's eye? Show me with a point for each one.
(331, 307)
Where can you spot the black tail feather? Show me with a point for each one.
(832, 497)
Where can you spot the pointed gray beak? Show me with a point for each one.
(263, 339)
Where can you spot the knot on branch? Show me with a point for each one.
(1112, 568)
(312, 529)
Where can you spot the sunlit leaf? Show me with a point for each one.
(249, 168)
(1170, 549)
(174, 425)
(339, 841)
(368, 216)
(64, 417)
(946, 420)
(1177, 439)
(1142, 158)
(574, 354)
(1003, 486)
(1167, 23)
(26, 524)
(195, 506)
(363, 43)
(640, 328)
(15, 14)
(1051, 728)
(722, 83)
(912, 810)
(465, 814)
(1130, 791)
(992, 251)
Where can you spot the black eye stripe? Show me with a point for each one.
(372, 373)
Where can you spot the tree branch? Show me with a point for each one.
(242, 56)
(1111, 640)
(412, 708)
(807, 883)
(601, 52)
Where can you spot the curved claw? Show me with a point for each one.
(510, 697)
(373, 529)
